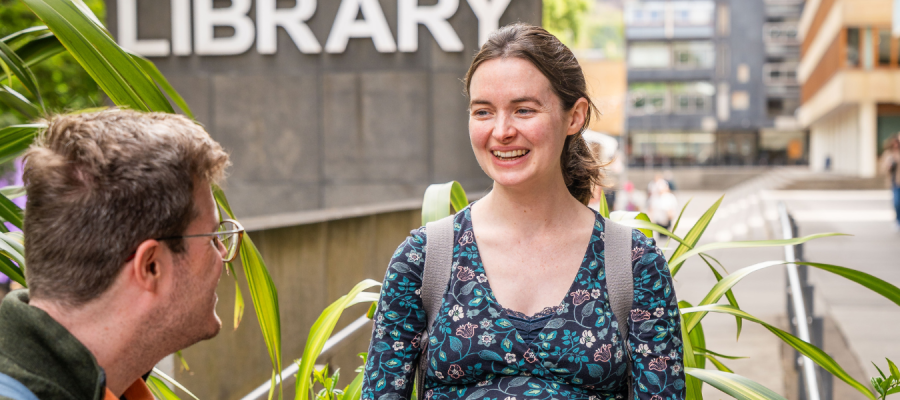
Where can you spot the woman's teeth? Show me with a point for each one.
(507, 155)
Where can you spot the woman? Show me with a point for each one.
(526, 312)
(890, 166)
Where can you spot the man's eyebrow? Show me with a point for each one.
(479, 101)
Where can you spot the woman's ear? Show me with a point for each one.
(577, 116)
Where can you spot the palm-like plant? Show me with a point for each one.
(441, 199)
(130, 81)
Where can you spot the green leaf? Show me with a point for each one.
(873, 283)
(814, 353)
(749, 244)
(16, 36)
(879, 372)
(693, 236)
(181, 359)
(39, 49)
(161, 80)
(717, 363)
(173, 382)
(439, 198)
(11, 213)
(678, 220)
(17, 67)
(729, 295)
(322, 329)
(353, 391)
(15, 139)
(17, 102)
(12, 270)
(648, 227)
(603, 207)
(630, 217)
(160, 390)
(693, 386)
(263, 293)
(734, 385)
(893, 391)
(115, 71)
(238, 304)
(698, 350)
(893, 367)
(698, 339)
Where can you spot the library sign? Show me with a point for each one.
(354, 19)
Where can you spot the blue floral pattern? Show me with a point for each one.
(475, 352)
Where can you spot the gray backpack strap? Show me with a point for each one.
(14, 389)
(620, 281)
(435, 278)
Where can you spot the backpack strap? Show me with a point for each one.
(620, 281)
(435, 278)
(14, 389)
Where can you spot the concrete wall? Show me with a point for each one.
(848, 136)
(310, 131)
(312, 264)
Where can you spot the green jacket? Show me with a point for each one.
(42, 355)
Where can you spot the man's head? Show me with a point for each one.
(102, 188)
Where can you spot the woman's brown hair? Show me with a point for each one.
(580, 167)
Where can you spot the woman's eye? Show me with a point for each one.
(480, 113)
(524, 111)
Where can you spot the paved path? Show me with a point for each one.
(869, 323)
(865, 322)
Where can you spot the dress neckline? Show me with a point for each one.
(549, 310)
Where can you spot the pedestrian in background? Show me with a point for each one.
(890, 165)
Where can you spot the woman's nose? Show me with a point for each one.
(504, 130)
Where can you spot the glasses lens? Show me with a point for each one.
(228, 237)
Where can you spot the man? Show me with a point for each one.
(890, 166)
(122, 259)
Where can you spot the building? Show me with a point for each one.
(701, 88)
(850, 83)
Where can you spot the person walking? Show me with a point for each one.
(526, 312)
(890, 166)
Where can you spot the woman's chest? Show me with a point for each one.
(474, 339)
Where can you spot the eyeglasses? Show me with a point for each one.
(229, 234)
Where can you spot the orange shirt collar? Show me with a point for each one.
(137, 391)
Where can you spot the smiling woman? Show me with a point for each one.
(526, 312)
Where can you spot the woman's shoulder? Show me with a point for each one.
(414, 247)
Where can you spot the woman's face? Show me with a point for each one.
(517, 124)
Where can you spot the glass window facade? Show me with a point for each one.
(694, 55)
(649, 55)
(853, 54)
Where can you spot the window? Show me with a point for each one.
(692, 98)
(648, 98)
(784, 32)
(694, 55)
(640, 14)
(780, 74)
(853, 47)
(740, 100)
(649, 55)
(693, 13)
(884, 47)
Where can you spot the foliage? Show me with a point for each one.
(63, 82)
(887, 385)
(128, 80)
(442, 199)
(564, 18)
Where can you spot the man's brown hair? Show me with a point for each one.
(98, 185)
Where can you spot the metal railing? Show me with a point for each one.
(289, 373)
(813, 383)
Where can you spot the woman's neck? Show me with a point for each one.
(533, 208)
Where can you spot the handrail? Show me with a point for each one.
(289, 373)
(797, 299)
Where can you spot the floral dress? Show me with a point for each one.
(478, 350)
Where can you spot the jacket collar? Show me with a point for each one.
(33, 340)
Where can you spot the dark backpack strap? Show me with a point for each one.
(620, 282)
(435, 278)
(14, 389)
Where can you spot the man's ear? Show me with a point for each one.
(146, 267)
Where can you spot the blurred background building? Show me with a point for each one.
(850, 83)
(712, 82)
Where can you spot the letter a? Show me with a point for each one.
(373, 25)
